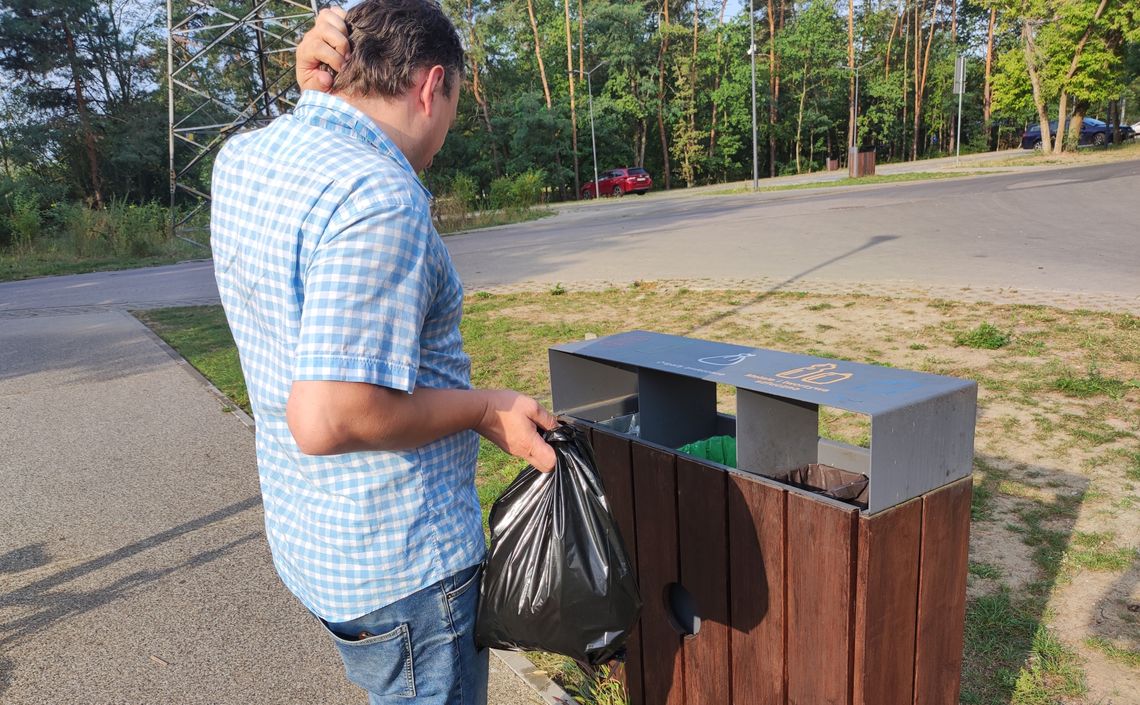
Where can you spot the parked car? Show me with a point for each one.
(1093, 131)
(618, 182)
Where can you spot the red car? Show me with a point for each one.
(618, 182)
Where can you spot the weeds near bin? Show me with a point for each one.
(1011, 657)
(1093, 384)
(1099, 552)
(1129, 657)
(985, 336)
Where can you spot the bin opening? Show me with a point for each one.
(629, 424)
(718, 449)
(837, 483)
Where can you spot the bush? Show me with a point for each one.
(529, 187)
(518, 192)
(502, 194)
(25, 224)
(121, 229)
(464, 191)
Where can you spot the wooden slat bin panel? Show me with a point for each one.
(704, 568)
(757, 519)
(613, 454)
(655, 512)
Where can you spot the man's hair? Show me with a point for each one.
(391, 41)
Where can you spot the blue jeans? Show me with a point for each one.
(420, 649)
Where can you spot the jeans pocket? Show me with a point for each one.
(380, 664)
(465, 581)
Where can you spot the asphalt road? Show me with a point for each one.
(1069, 230)
(1064, 230)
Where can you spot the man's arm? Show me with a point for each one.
(328, 417)
(323, 47)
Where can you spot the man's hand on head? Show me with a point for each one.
(323, 51)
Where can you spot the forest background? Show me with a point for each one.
(83, 114)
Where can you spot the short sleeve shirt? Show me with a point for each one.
(330, 268)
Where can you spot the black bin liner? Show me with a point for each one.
(837, 483)
(558, 576)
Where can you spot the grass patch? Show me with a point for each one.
(201, 335)
(454, 225)
(1012, 658)
(985, 337)
(984, 570)
(50, 260)
(1097, 551)
(1129, 657)
(1091, 385)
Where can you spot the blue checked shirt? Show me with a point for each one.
(329, 268)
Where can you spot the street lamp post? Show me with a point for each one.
(752, 53)
(593, 140)
(854, 148)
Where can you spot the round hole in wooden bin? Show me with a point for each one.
(681, 610)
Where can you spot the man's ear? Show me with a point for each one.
(432, 82)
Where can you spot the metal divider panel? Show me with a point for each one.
(613, 455)
(757, 516)
(704, 569)
(886, 600)
(655, 487)
(942, 594)
(820, 580)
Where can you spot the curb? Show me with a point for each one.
(545, 688)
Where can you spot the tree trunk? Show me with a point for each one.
(800, 121)
(1062, 125)
(1115, 105)
(988, 90)
(773, 89)
(1080, 109)
(717, 77)
(1035, 83)
(920, 84)
(906, 35)
(84, 118)
(581, 38)
(887, 54)
(477, 92)
(661, 94)
(1059, 145)
(573, 108)
(538, 54)
(693, 69)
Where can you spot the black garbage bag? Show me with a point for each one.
(558, 576)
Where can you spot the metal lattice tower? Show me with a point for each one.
(229, 67)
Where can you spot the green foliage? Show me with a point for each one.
(985, 336)
(1092, 384)
(120, 229)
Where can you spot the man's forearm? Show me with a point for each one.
(327, 418)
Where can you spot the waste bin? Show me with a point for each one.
(860, 163)
(756, 582)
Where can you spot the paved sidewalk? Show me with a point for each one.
(133, 563)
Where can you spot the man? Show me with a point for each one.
(345, 308)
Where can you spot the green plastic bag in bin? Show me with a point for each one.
(719, 449)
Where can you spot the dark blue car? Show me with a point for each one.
(1093, 131)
